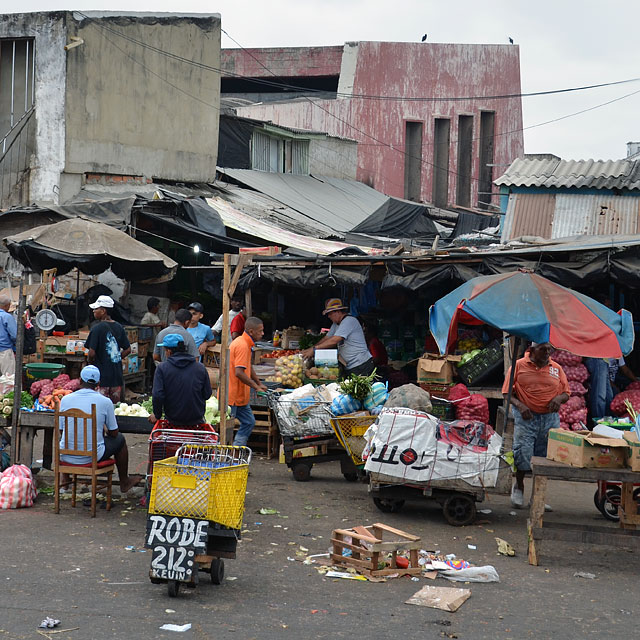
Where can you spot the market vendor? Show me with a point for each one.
(346, 334)
(8, 332)
(243, 378)
(108, 344)
(237, 304)
(181, 385)
(179, 326)
(540, 387)
(108, 445)
(202, 333)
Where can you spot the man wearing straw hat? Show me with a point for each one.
(346, 334)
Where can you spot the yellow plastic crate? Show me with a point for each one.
(193, 491)
(350, 431)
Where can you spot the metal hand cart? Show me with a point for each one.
(195, 513)
(307, 424)
(165, 439)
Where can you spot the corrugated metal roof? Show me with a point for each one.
(338, 204)
(592, 174)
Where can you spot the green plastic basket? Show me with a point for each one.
(42, 370)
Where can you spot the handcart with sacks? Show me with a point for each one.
(305, 423)
(195, 512)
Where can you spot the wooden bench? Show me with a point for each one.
(625, 536)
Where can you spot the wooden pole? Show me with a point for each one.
(17, 386)
(223, 393)
(248, 303)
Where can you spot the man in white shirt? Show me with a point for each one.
(237, 304)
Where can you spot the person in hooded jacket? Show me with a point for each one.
(181, 385)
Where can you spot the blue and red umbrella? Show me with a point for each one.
(531, 307)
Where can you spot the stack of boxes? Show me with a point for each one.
(131, 363)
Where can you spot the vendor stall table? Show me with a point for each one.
(32, 422)
(625, 536)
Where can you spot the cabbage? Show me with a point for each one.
(211, 409)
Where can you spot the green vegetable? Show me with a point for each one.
(7, 410)
(148, 405)
(358, 387)
(25, 399)
(309, 340)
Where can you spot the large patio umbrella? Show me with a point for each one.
(90, 246)
(529, 306)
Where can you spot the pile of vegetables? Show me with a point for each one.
(7, 402)
(358, 387)
(576, 373)
(212, 411)
(309, 340)
(469, 406)
(566, 359)
(577, 389)
(279, 353)
(134, 410)
(469, 344)
(470, 355)
(618, 405)
(573, 414)
(288, 371)
(52, 400)
(43, 388)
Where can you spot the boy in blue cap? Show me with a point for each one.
(113, 445)
(181, 385)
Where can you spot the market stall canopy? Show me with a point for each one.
(534, 308)
(398, 219)
(93, 247)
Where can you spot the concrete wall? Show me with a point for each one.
(134, 111)
(49, 31)
(333, 158)
(410, 70)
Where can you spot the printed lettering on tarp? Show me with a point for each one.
(175, 542)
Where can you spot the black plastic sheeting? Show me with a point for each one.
(439, 274)
(116, 212)
(470, 222)
(310, 277)
(234, 143)
(398, 219)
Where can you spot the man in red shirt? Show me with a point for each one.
(236, 328)
(242, 378)
(540, 387)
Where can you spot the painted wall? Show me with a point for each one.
(408, 70)
(333, 158)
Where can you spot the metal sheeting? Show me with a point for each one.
(529, 214)
(553, 172)
(595, 215)
(340, 204)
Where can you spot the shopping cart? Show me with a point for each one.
(195, 512)
(307, 435)
(350, 432)
(165, 439)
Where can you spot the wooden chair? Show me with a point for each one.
(75, 422)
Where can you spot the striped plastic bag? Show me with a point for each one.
(17, 488)
(344, 404)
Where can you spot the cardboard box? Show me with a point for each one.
(303, 452)
(435, 368)
(211, 356)
(290, 337)
(130, 364)
(586, 449)
(633, 453)
(134, 348)
(132, 334)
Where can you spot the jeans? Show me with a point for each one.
(600, 392)
(247, 421)
(530, 437)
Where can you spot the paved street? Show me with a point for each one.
(77, 570)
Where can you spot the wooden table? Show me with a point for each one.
(32, 422)
(625, 536)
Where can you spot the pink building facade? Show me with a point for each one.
(425, 129)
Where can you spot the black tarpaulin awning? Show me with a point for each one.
(398, 219)
(305, 278)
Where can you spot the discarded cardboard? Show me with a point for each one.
(435, 368)
(633, 457)
(586, 449)
(445, 598)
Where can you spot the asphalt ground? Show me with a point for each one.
(76, 569)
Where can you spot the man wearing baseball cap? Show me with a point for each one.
(111, 445)
(202, 334)
(108, 345)
(346, 334)
(181, 385)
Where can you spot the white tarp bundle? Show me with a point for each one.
(404, 444)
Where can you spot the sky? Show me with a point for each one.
(563, 44)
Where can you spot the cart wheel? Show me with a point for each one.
(302, 471)
(217, 570)
(459, 509)
(350, 477)
(608, 503)
(173, 588)
(386, 505)
(156, 580)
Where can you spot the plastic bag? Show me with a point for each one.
(378, 396)
(472, 574)
(411, 397)
(17, 488)
(344, 404)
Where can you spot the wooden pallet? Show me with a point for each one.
(265, 427)
(368, 548)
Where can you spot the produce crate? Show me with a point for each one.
(443, 410)
(132, 334)
(437, 390)
(489, 360)
(143, 348)
(350, 431)
(207, 482)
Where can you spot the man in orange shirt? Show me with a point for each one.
(540, 387)
(242, 378)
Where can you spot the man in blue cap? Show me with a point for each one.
(111, 445)
(181, 385)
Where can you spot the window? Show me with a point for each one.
(412, 160)
(279, 155)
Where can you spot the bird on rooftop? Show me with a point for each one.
(510, 40)
(424, 37)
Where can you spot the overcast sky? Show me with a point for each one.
(563, 44)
